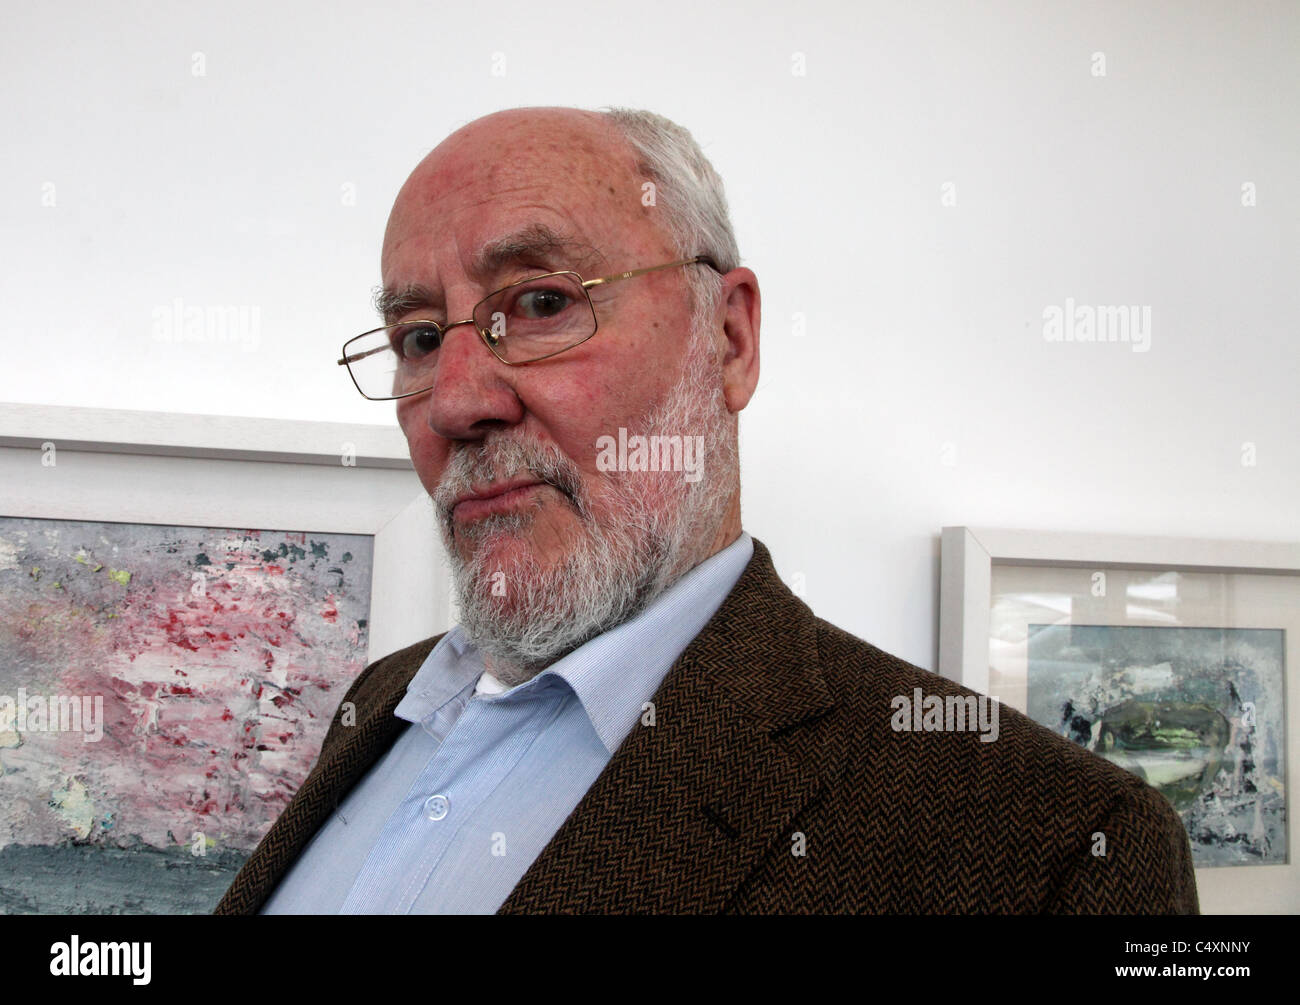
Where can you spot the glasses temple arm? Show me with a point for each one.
(697, 260)
(362, 355)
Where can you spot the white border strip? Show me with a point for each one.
(177, 434)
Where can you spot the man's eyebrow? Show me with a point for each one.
(393, 302)
(534, 243)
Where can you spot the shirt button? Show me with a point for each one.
(436, 807)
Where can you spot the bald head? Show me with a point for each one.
(562, 135)
(572, 164)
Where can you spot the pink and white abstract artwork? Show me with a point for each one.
(163, 693)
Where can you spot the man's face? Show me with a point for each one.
(521, 176)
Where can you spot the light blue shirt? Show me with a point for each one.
(450, 819)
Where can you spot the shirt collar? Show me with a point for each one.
(615, 674)
(450, 669)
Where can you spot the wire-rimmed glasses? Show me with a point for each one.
(527, 321)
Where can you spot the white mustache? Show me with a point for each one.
(499, 459)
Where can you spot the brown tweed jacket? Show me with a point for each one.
(772, 782)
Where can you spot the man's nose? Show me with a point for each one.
(472, 390)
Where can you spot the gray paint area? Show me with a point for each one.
(98, 879)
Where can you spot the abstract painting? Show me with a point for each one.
(163, 693)
(1195, 712)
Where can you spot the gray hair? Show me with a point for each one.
(689, 193)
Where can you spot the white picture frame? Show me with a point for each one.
(969, 558)
(221, 471)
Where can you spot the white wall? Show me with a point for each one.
(923, 391)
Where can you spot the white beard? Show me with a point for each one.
(660, 526)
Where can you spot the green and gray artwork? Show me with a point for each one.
(1197, 713)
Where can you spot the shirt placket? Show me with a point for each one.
(485, 744)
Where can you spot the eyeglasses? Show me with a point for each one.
(527, 321)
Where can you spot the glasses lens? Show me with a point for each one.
(536, 318)
(394, 361)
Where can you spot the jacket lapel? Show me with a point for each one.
(688, 806)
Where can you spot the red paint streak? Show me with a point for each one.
(176, 633)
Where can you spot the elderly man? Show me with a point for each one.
(634, 713)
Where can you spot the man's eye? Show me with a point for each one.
(414, 342)
(541, 303)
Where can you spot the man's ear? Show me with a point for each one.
(740, 315)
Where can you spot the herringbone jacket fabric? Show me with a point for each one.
(771, 781)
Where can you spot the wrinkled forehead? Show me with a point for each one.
(509, 172)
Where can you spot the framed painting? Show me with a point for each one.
(184, 600)
(1171, 658)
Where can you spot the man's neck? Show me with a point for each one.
(727, 533)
